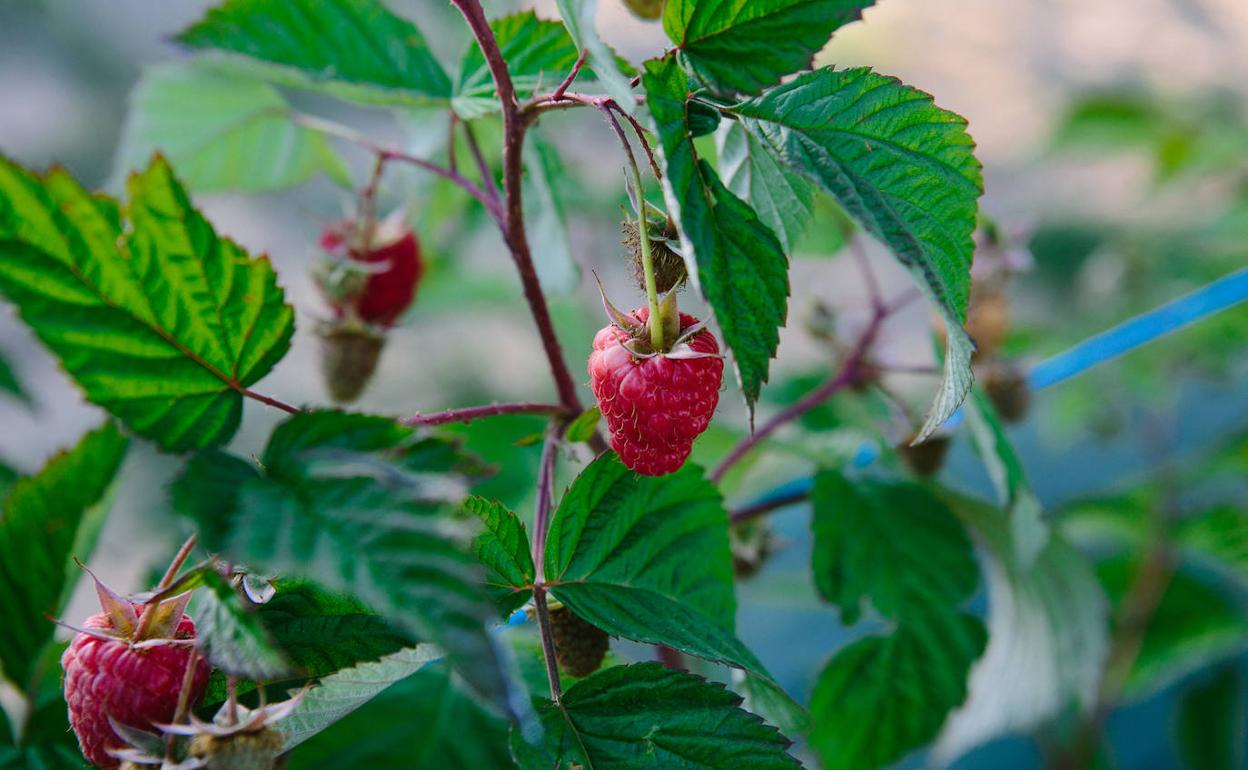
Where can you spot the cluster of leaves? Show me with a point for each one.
(389, 580)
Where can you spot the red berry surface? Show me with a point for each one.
(395, 252)
(139, 688)
(655, 407)
(389, 292)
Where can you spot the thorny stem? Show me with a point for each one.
(541, 514)
(184, 702)
(548, 643)
(514, 233)
(576, 70)
(846, 375)
(178, 560)
(483, 168)
(541, 522)
(468, 414)
(153, 604)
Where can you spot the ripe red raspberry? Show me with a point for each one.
(394, 251)
(655, 406)
(106, 677)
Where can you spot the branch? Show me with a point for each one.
(471, 413)
(845, 376)
(576, 70)
(766, 506)
(513, 229)
(541, 524)
(348, 134)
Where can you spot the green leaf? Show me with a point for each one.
(578, 17)
(1047, 637)
(1218, 538)
(503, 547)
(903, 168)
(321, 631)
(735, 259)
(337, 695)
(44, 518)
(892, 542)
(355, 49)
(1005, 468)
(222, 132)
(424, 720)
(7, 477)
(783, 199)
(1195, 625)
(180, 321)
(547, 228)
(233, 638)
(884, 696)
(1209, 722)
(9, 382)
(538, 53)
(738, 46)
(647, 558)
(582, 429)
(647, 716)
(362, 506)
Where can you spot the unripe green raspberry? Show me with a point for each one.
(579, 646)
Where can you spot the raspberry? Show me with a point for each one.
(393, 267)
(655, 406)
(579, 645)
(106, 677)
(388, 293)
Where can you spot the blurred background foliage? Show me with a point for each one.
(1115, 141)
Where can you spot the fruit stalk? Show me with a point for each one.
(655, 322)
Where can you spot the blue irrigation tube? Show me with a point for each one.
(1224, 293)
(1184, 311)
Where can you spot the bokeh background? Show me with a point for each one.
(1114, 137)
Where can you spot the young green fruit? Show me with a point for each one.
(580, 647)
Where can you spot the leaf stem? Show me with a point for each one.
(845, 376)
(468, 414)
(270, 401)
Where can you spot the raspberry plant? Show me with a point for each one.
(355, 560)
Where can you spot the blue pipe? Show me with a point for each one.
(1208, 300)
